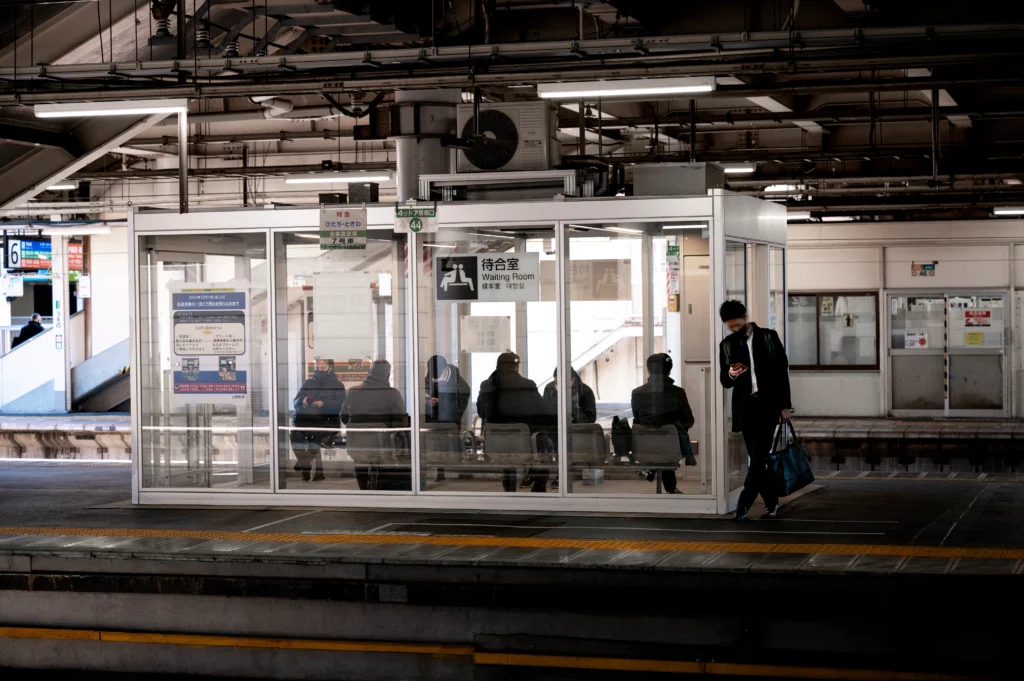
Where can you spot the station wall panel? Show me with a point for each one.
(835, 269)
(959, 266)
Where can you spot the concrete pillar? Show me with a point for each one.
(61, 328)
(424, 155)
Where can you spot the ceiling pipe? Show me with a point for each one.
(256, 171)
(744, 184)
(280, 136)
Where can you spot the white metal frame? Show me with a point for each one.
(707, 209)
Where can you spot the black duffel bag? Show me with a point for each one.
(789, 461)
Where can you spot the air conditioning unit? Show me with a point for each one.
(529, 131)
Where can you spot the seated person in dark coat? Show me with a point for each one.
(660, 402)
(317, 408)
(508, 397)
(375, 401)
(582, 405)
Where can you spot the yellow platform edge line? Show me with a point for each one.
(526, 542)
(481, 658)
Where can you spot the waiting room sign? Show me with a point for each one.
(487, 277)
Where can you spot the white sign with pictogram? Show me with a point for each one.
(487, 277)
(415, 220)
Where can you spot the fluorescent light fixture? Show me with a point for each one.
(61, 187)
(492, 236)
(836, 218)
(741, 169)
(672, 228)
(1009, 210)
(783, 188)
(334, 178)
(439, 245)
(139, 107)
(1013, 181)
(641, 87)
(84, 230)
(621, 230)
(793, 217)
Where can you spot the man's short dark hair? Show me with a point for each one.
(732, 309)
(36, 317)
(659, 364)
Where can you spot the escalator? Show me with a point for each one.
(102, 382)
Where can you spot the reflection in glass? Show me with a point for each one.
(342, 417)
(777, 286)
(736, 271)
(847, 328)
(636, 439)
(204, 361)
(487, 342)
(803, 331)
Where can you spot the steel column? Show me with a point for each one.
(182, 162)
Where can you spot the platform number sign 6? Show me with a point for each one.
(13, 253)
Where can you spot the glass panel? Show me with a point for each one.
(342, 399)
(488, 346)
(735, 289)
(917, 381)
(777, 284)
(634, 423)
(803, 338)
(204, 361)
(918, 322)
(847, 330)
(976, 322)
(975, 382)
(736, 271)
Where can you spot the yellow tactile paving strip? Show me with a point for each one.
(481, 658)
(524, 542)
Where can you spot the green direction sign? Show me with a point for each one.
(415, 220)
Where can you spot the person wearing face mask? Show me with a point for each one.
(375, 401)
(446, 395)
(316, 418)
(753, 363)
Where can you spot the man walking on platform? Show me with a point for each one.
(753, 363)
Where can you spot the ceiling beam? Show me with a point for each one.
(65, 171)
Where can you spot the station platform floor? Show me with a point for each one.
(861, 579)
(934, 526)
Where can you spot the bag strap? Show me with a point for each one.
(792, 433)
(776, 440)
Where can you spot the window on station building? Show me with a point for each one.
(833, 331)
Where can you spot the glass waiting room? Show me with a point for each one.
(524, 356)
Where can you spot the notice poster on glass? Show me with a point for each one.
(915, 340)
(210, 342)
(976, 322)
